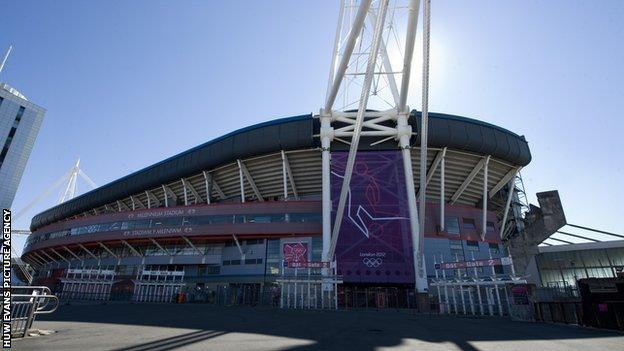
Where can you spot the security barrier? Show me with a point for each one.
(26, 303)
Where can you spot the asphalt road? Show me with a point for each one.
(160, 327)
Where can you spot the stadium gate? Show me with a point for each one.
(87, 283)
(158, 285)
(467, 292)
(303, 285)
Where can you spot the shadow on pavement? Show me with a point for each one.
(328, 330)
(174, 341)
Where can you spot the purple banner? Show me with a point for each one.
(375, 242)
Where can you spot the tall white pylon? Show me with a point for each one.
(371, 70)
(6, 57)
(70, 178)
(70, 189)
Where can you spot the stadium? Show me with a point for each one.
(226, 222)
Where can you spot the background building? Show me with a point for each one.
(564, 265)
(20, 121)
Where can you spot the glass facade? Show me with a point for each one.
(451, 225)
(20, 121)
(273, 257)
(178, 222)
(564, 268)
(9, 139)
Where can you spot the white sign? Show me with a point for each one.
(166, 273)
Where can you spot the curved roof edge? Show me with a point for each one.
(286, 134)
(462, 133)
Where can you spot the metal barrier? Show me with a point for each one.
(26, 303)
(68, 297)
(559, 312)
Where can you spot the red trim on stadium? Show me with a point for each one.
(220, 232)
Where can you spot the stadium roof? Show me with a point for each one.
(292, 133)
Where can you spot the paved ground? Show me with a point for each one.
(160, 327)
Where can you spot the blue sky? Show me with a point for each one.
(129, 83)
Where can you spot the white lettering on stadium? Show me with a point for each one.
(162, 213)
(142, 232)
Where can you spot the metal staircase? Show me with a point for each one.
(521, 201)
(24, 268)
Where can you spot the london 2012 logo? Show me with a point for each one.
(296, 252)
(372, 262)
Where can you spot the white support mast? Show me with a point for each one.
(70, 179)
(6, 57)
(362, 76)
(359, 121)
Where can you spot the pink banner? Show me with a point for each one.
(311, 264)
(470, 264)
(295, 253)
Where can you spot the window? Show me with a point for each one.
(490, 227)
(141, 224)
(153, 250)
(260, 219)
(193, 220)
(222, 219)
(200, 220)
(172, 221)
(254, 241)
(455, 244)
(494, 248)
(9, 139)
(93, 228)
(226, 262)
(499, 269)
(105, 227)
(457, 251)
(469, 223)
(472, 245)
(213, 249)
(317, 248)
(273, 249)
(208, 270)
(305, 217)
(235, 262)
(213, 269)
(183, 249)
(451, 224)
(253, 261)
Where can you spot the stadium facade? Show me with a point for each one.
(226, 219)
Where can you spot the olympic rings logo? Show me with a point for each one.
(372, 262)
